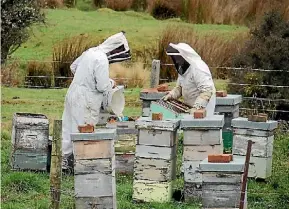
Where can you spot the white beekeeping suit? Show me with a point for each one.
(194, 82)
(91, 80)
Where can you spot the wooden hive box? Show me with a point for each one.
(30, 136)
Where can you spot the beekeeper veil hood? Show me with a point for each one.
(183, 56)
(116, 48)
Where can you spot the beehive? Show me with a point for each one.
(170, 109)
(124, 145)
(30, 136)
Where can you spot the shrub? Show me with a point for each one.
(35, 68)
(16, 18)
(162, 11)
(51, 3)
(11, 74)
(215, 50)
(268, 48)
(139, 5)
(99, 3)
(119, 5)
(65, 53)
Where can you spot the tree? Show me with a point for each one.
(268, 48)
(17, 16)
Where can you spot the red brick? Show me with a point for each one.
(151, 90)
(86, 128)
(258, 118)
(163, 88)
(157, 116)
(222, 158)
(222, 93)
(200, 113)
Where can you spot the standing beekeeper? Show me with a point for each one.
(85, 94)
(194, 82)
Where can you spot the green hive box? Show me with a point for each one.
(168, 111)
(227, 136)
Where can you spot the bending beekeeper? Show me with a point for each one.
(194, 82)
(85, 94)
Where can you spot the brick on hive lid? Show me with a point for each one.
(221, 158)
(221, 93)
(202, 113)
(163, 88)
(150, 90)
(261, 117)
(86, 128)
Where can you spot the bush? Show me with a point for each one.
(64, 54)
(11, 74)
(215, 50)
(99, 3)
(119, 5)
(35, 68)
(268, 48)
(139, 5)
(52, 4)
(162, 11)
(16, 18)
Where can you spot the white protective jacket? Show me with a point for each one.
(196, 84)
(91, 80)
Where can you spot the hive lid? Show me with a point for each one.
(229, 100)
(270, 125)
(98, 134)
(30, 119)
(148, 123)
(214, 121)
(237, 165)
(152, 95)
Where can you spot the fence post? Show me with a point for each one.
(55, 171)
(155, 73)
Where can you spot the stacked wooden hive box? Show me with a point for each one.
(149, 95)
(201, 137)
(228, 105)
(30, 138)
(222, 182)
(124, 145)
(262, 135)
(94, 169)
(155, 161)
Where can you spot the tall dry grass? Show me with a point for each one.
(231, 11)
(136, 75)
(119, 5)
(11, 74)
(65, 53)
(214, 49)
(35, 68)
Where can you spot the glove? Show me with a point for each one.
(191, 111)
(112, 82)
(168, 97)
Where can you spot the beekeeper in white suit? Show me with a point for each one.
(194, 82)
(85, 94)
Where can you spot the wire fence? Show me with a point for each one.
(124, 81)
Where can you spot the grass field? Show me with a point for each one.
(31, 190)
(142, 29)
